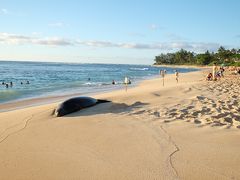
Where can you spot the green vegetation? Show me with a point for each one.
(222, 56)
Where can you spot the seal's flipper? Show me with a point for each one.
(102, 101)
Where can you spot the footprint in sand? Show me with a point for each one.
(197, 121)
(195, 113)
(228, 119)
(173, 114)
(188, 90)
(157, 114)
(156, 94)
(200, 98)
(217, 123)
(221, 115)
(172, 110)
(154, 113)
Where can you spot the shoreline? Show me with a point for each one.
(184, 130)
(36, 101)
(44, 100)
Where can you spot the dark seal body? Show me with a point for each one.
(76, 104)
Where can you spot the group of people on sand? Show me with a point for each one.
(216, 73)
(10, 84)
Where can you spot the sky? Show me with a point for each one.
(111, 31)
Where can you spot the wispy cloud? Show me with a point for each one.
(22, 39)
(6, 38)
(56, 24)
(4, 11)
(192, 46)
(153, 26)
(14, 38)
(93, 43)
(156, 27)
(53, 42)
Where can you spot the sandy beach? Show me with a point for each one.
(186, 130)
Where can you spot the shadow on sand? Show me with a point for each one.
(105, 108)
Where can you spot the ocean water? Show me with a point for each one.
(53, 79)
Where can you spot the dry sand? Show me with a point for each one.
(188, 130)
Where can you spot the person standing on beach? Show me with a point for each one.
(165, 71)
(214, 71)
(177, 75)
(126, 80)
(162, 73)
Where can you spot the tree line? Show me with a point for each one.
(222, 56)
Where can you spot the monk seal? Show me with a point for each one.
(76, 104)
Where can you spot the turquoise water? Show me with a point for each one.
(51, 79)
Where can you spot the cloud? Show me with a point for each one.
(56, 24)
(53, 42)
(192, 46)
(97, 43)
(22, 39)
(7, 38)
(203, 46)
(14, 38)
(4, 11)
(153, 26)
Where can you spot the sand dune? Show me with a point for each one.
(185, 130)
